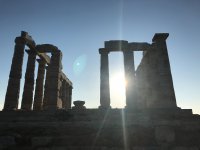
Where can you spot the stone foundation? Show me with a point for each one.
(96, 129)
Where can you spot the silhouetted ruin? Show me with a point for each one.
(58, 88)
(151, 119)
(150, 86)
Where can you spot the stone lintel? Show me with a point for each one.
(46, 48)
(116, 45)
(45, 57)
(29, 41)
(160, 37)
(139, 46)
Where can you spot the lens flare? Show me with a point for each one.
(79, 64)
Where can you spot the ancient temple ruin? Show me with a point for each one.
(151, 119)
(55, 93)
(150, 85)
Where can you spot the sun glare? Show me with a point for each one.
(117, 88)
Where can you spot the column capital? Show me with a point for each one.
(160, 37)
(103, 51)
(20, 40)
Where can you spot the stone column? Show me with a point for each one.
(67, 97)
(13, 89)
(53, 83)
(70, 97)
(104, 80)
(27, 97)
(129, 68)
(63, 94)
(39, 88)
(166, 95)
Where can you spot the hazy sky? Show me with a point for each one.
(80, 27)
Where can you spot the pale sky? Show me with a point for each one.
(80, 27)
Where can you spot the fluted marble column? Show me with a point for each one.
(64, 94)
(129, 68)
(27, 97)
(39, 88)
(13, 89)
(104, 80)
(53, 83)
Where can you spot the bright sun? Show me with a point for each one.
(117, 89)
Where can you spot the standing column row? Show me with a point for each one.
(13, 89)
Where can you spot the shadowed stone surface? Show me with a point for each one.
(39, 89)
(98, 129)
(13, 89)
(79, 105)
(104, 80)
(151, 120)
(27, 97)
(151, 85)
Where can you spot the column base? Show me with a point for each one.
(104, 107)
(9, 109)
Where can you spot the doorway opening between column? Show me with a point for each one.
(117, 78)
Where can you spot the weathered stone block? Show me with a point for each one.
(185, 148)
(116, 45)
(164, 134)
(180, 148)
(41, 141)
(146, 148)
(7, 141)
